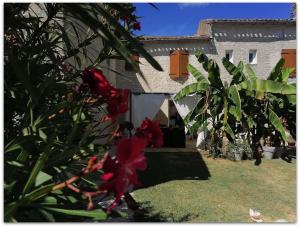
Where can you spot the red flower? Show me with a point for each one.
(137, 26)
(98, 83)
(126, 18)
(116, 99)
(117, 104)
(120, 173)
(151, 130)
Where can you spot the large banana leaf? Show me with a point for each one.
(190, 89)
(196, 73)
(285, 74)
(235, 71)
(199, 109)
(236, 111)
(202, 58)
(276, 71)
(268, 86)
(292, 99)
(214, 75)
(275, 121)
(250, 72)
(212, 68)
(229, 131)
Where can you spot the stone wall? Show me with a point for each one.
(267, 39)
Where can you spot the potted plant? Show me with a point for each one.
(268, 149)
(236, 152)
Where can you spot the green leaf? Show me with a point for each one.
(267, 86)
(275, 121)
(36, 169)
(10, 208)
(202, 58)
(196, 73)
(235, 97)
(214, 75)
(96, 214)
(42, 134)
(235, 71)
(48, 216)
(276, 71)
(190, 89)
(41, 178)
(23, 76)
(229, 131)
(9, 187)
(212, 68)
(15, 163)
(250, 72)
(292, 99)
(286, 74)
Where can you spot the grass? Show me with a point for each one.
(184, 187)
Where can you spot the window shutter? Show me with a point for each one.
(135, 58)
(174, 62)
(289, 56)
(184, 61)
(178, 64)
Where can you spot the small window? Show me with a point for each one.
(179, 61)
(134, 57)
(252, 57)
(229, 55)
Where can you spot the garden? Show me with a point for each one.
(69, 157)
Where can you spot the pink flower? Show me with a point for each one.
(151, 130)
(120, 173)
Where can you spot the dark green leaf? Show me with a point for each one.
(96, 214)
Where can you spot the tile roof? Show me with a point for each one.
(262, 20)
(174, 38)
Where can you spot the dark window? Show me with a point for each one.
(251, 57)
(227, 56)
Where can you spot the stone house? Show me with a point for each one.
(258, 42)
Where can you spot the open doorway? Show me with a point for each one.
(171, 124)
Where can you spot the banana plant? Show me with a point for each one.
(220, 102)
(241, 101)
(273, 99)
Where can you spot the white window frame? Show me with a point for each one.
(254, 61)
(230, 52)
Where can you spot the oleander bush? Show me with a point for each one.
(58, 102)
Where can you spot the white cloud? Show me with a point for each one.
(186, 5)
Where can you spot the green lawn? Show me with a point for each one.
(184, 187)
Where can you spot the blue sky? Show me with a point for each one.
(183, 18)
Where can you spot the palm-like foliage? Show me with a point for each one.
(246, 100)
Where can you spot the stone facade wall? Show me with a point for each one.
(160, 82)
(267, 39)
